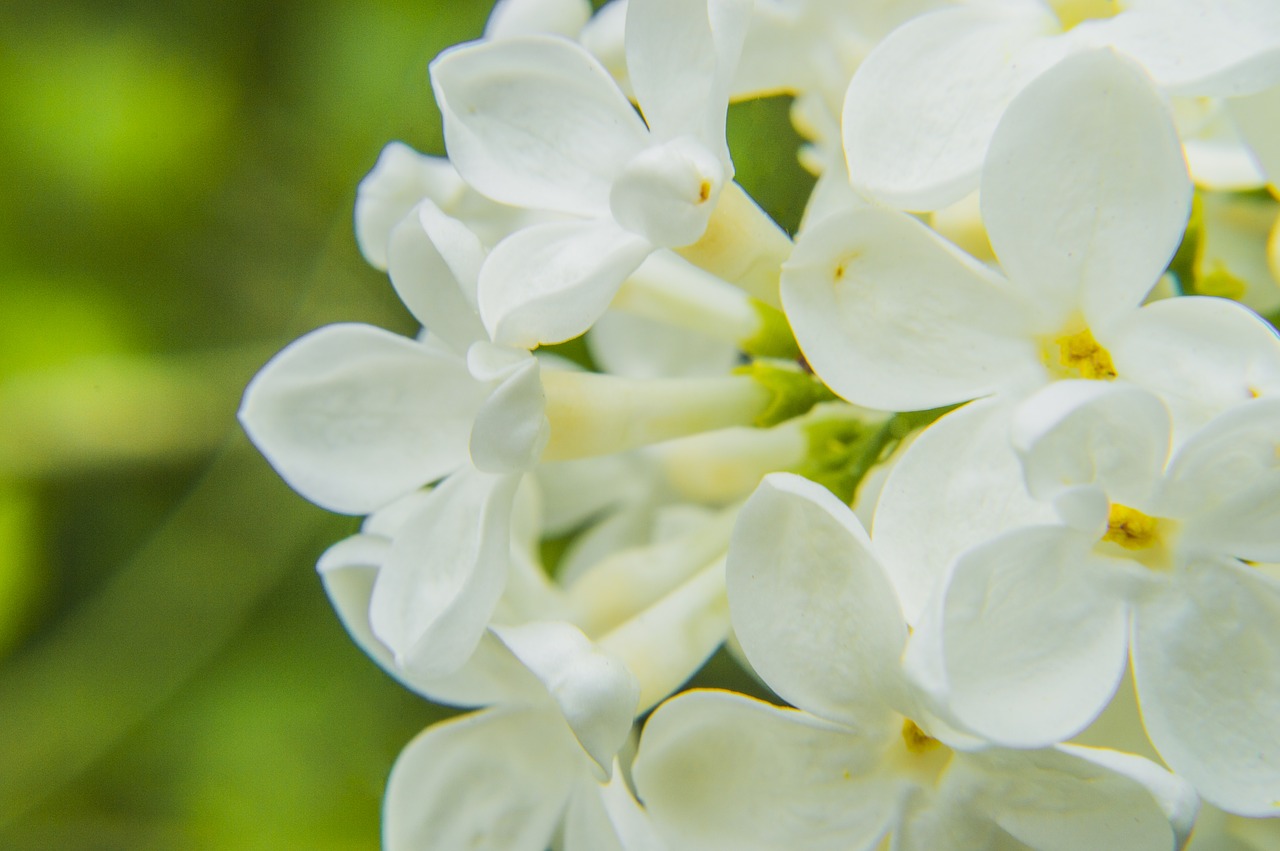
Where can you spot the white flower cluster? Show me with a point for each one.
(1070, 447)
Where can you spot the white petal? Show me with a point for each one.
(1070, 211)
(1207, 665)
(892, 317)
(1198, 48)
(527, 17)
(722, 772)
(587, 824)
(1034, 638)
(681, 57)
(811, 605)
(1201, 355)
(535, 121)
(548, 283)
(352, 416)
(510, 429)
(959, 483)
(400, 179)
(434, 262)
(496, 780)
(922, 107)
(1225, 484)
(445, 573)
(1112, 435)
(668, 192)
(595, 691)
(1258, 118)
(492, 674)
(1053, 800)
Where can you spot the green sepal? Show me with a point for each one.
(793, 390)
(773, 339)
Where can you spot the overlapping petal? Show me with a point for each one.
(352, 416)
(893, 317)
(1207, 665)
(921, 108)
(496, 780)
(434, 263)
(723, 772)
(535, 121)
(445, 573)
(1034, 636)
(812, 607)
(961, 481)
(1069, 210)
(548, 283)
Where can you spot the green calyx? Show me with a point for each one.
(793, 391)
(773, 338)
(842, 451)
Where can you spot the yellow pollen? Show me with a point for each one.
(917, 740)
(1081, 356)
(704, 191)
(1131, 529)
(1074, 12)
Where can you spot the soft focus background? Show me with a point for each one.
(176, 181)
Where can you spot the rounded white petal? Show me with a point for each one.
(535, 121)
(722, 772)
(1258, 119)
(959, 483)
(496, 780)
(891, 316)
(510, 429)
(400, 179)
(811, 605)
(1207, 665)
(492, 675)
(445, 573)
(594, 691)
(922, 107)
(1071, 212)
(681, 58)
(527, 17)
(1034, 637)
(434, 262)
(1112, 435)
(548, 283)
(1191, 47)
(352, 416)
(668, 192)
(1224, 484)
(1201, 355)
(1055, 800)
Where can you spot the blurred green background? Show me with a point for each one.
(176, 182)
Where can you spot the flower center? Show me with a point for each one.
(1078, 355)
(1074, 12)
(1143, 538)
(921, 757)
(917, 740)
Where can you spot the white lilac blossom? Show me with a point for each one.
(1061, 632)
(863, 756)
(920, 112)
(1149, 544)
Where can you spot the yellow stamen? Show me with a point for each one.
(1079, 355)
(917, 740)
(1131, 529)
(1074, 12)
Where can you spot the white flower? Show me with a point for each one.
(922, 108)
(864, 756)
(1035, 625)
(537, 122)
